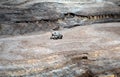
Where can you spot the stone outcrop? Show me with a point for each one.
(30, 16)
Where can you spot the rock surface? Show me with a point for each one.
(26, 16)
(37, 55)
(84, 51)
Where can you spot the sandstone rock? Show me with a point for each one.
(37, 55)
(51, 14)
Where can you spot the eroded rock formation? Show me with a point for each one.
(84, 51)
(29, 16)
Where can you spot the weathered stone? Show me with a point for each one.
(85, 51)
(54, 14)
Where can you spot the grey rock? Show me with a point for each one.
(54, 14)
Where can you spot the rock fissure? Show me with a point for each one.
(72, 15)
